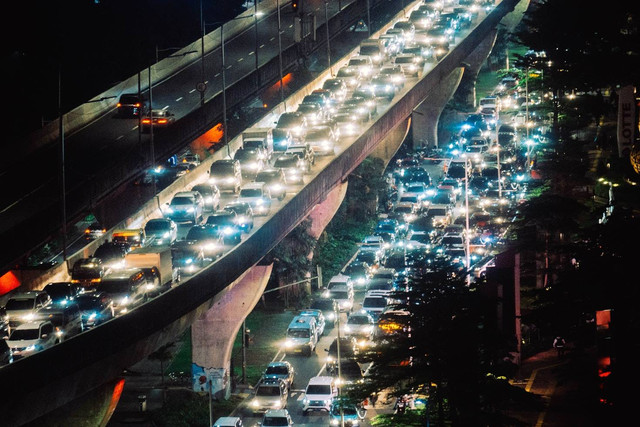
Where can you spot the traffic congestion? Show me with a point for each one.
(450, 203)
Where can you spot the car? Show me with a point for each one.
(350, 75)
(32, 337)
(394, 74)
(374, 304)
(347, 124)
(319, 393)
(358, 271)
(270, 393)
(337, 87)
(63, 292)
(313, 112)
(342, 410)
(322, 139)
(226, 174)
(362, 103)
(112, 254)
(294, 122)
(293, 166)
(350, 371)
(244, 212)
(301, 336)
(305, 152)
(158, 119)
(275, 180)
(329, 309)
(86, 272)
(228, 422)
(95, 308)
(282, 370)
(94, 231)
(185, 206)
(227, 225)
(276, 417)
(211, 195)
(318, 315)
(363, 63)
(209, 238)
(257, 195)
(360, 325)
(187, 256)
(161, 231)
(132, 105)
(22, 306)
(344, 298)
(65, 316)
(410, 64)
(252, 160)
(348, 348)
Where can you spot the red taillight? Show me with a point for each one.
(162, 121)
(118, 105)
(137, 105)
(146, 121)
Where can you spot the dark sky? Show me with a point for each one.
(97, 45)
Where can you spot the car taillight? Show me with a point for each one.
(118, 105)
(162, 121)
(146, 121)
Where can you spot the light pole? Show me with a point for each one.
(62, 166)
(368, 19)
(326, 23)
(466, 212)
(280, 55)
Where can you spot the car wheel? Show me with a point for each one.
(281, 197)
(305, 413)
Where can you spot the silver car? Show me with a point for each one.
(270, 393)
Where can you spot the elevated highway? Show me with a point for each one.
(40, 383)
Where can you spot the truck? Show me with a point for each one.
(159, 256)
(259, 137)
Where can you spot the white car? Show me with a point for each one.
(359, 325)
(258, 196)
(32, 337)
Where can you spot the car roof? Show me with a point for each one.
(321, 379)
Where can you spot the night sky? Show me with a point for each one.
(95, 44)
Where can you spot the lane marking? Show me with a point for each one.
(179, 99)
(241, 59)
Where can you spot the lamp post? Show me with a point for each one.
(62, 166)
(368, 19)
(466, 212)
(326, 23)
(280, 55)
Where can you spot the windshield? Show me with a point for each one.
(286, 161)
(24, 334)
(246, 154)
(114, 286)
(288, 121)
(319, 389)
(268, 390)
(347, 411)
(358, 320)
(274, 421)
(374, 302)
(20, 304)
(339, 295)
(277, 370)
(86, 304)
(298, 333)
(199, 234)
(156, 226)
(250, 192)
(181, 201)
(56, 292)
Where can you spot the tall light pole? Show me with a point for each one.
(326, 23)
(526, 102)
(255, 24)
(153, 152)
(280, 55)
(368, 19)
(466, 213)
(62, 166)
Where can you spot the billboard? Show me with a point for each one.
(626, 119)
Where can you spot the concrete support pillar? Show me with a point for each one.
(389, 146)
(213, 334)
(466, 93)
(323, 212)
(426, 115)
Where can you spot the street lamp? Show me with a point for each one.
(280, 55)
(326, 23)
(466, 212)
(224, 74)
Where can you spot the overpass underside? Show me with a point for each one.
(45, 381)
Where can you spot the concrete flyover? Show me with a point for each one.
(45, 381)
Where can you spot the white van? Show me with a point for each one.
(340, 281)
(302, 335)
(319, 394)
(228, 422)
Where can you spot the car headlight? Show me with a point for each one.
(331, 316)
(188, 261)
(288, 343)
(259, 202)
(348, 329)
(209, 199)
(335, 422)
(124, 301)
(211, 247)
(276, 187)
(229, 180)
(330, 359)
(191, 209)
(93, 316)
(255, 403)
(227, 231)
(168, 210)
